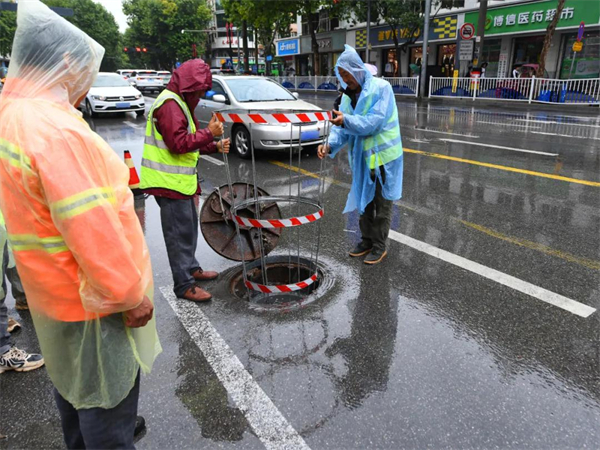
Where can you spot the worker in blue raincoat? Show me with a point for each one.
(368, 122)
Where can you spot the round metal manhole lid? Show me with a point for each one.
(219, 229)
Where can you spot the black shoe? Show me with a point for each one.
(361, 249)
(376, 256)
(140, 425)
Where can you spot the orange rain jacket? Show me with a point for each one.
(78, 244)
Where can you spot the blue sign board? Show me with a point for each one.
(269, 57)
(288, 47)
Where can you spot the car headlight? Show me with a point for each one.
(99, 97)
(138, 96)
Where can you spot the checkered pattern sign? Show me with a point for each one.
(445, 27)
(361, 38)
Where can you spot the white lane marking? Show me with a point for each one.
(559, 123)
(579, 309)
(565, 135)
(445, 132)
(266, 420)
(512, 149)
(215, 161)
(508, 124)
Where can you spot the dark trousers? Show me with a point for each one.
(99, 428)
(375, 222)
(179, 220)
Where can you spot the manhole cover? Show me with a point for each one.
(281, 270)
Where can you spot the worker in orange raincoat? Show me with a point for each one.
(77, 241)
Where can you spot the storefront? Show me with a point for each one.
(296, 54)
(515, 36)
(442, 35)
(331, 46)
(583, 64)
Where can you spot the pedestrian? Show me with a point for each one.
(77, 242)
(11, 357)
(173, 143)
(368, 122)
(483, 69)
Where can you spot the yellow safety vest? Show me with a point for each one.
(160, 167)
(383, 147)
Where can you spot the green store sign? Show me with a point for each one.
(537, 16)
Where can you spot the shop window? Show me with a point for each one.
(587, 61)
(446, 55)
(491, 55)
(528, 50)
(391, 65)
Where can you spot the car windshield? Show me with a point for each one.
(258, 90)
(110, 81)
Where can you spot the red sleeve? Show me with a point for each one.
(173, 126)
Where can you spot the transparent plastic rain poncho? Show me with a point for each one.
(365, 130)
(78, 244)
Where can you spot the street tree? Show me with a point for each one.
(89, 16)
(157, 25)
(548, 39)
(404, 18)
(269, 18)
(8, 26)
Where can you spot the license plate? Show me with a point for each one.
(312, 135)
(123, 105)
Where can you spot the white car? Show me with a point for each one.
(146, 80)
(165, 76)
(111, 93)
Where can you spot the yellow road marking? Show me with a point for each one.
(585, 262)
(506, 168)
(589, 263)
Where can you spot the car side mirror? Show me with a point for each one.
(219, 98)
(296, 95)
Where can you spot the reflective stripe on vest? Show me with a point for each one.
(385, 146)
(13, 154)
(160, 167)
(84, 201)
(25, 242)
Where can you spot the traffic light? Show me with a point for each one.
(137, 49)
(144, 49)
(125, 49)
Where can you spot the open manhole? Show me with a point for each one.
(281, 270)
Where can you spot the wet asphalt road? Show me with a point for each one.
(418, 352)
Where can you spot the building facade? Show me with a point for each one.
(514, 36)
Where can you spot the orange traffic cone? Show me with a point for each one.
(134, 180)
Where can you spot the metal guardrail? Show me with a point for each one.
(401, 86)
(540, 90)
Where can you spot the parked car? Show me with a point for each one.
(146, 80)
(111, 93)
(262, 94)
(165, 76)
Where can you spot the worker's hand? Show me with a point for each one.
(338, 119)
(140, 315)
(215, 127)
(323, 151)
(223, 145)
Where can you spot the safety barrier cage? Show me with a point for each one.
(243, 222)
(401, 85)
(539, 90)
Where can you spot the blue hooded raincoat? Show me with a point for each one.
(372, 132)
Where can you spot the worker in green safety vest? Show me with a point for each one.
(367, 121)
(169, 172)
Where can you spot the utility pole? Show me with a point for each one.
(368, 31)
(425, 45)
(483, 7)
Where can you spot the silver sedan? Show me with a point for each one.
(253, 93)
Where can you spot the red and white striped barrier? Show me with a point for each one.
(278, 223)
(279, 118)
(282, 287)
